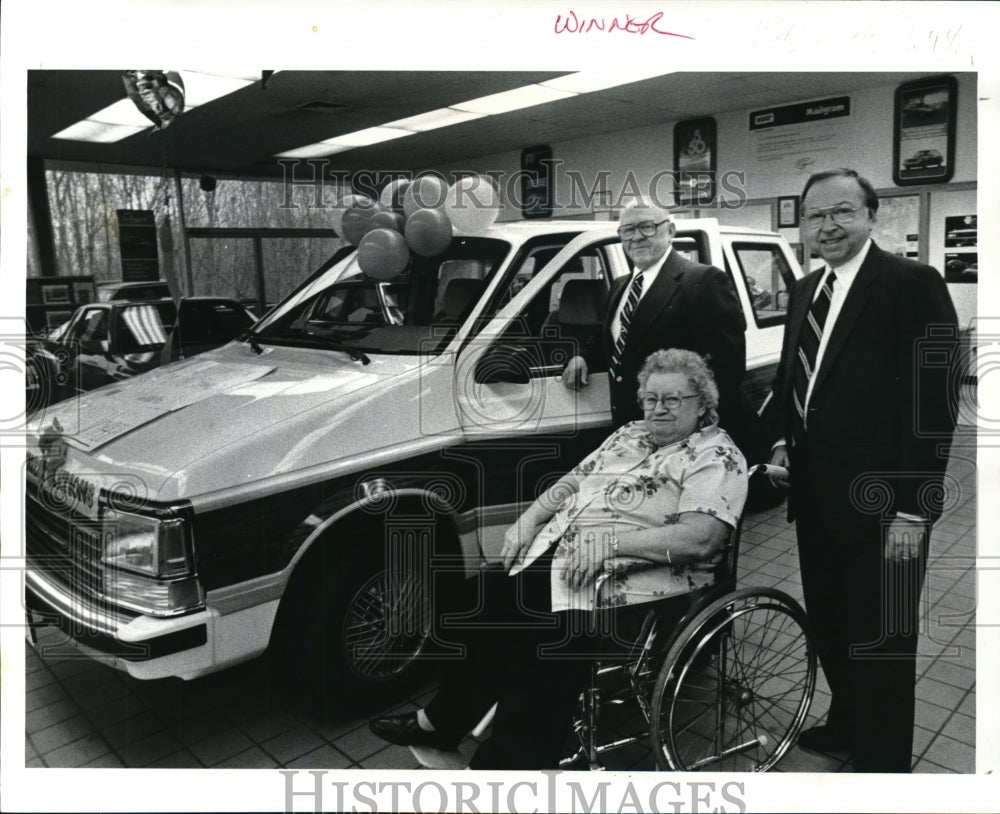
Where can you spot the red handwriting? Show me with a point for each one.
(571, 24)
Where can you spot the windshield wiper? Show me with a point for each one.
(355, 354)
(251, 337)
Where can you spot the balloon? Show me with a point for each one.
(428, 231)
(383, 254)
(391, 197)
(472, 203)
(354, 224)
(387, 220)
(426, 192)
(341, 207)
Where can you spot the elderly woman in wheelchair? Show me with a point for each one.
(649, 517)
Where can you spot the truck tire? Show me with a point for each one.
(352, 627)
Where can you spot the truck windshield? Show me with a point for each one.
(417, 312)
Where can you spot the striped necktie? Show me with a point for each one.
(631, 301)
(805, 360)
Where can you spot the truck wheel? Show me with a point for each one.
(350, 634)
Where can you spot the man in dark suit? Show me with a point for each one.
(667, 302)
(865, 425)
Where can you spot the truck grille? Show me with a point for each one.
(66, 547)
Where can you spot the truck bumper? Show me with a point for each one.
(147, 647)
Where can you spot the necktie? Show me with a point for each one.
(631, 301)
(805, 360)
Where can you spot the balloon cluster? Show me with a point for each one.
(416, 216)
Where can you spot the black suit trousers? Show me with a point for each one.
(864, 616)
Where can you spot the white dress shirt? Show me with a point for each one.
(845, 279)
(648, 276)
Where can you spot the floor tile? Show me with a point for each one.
(50, 714)
(220, 746)
(294, 743)
(392, 757)
(78, 753)
(954, 754)
(105, 761)
(134, 729)
(58, 735)
(360, 743)
(326, 757)
(962, 728)
(145, 751)
(253, 758)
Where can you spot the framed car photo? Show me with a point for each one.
(924, 131)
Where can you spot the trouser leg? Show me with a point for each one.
(503, 613)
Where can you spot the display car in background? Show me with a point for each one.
(109, 342)
(923, 159)
(138, 291)
(315, 487)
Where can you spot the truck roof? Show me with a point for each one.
(531, 228)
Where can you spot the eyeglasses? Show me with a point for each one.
(649, 401)
(647, 229)
(839, 214)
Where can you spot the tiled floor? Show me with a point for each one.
(84, 714)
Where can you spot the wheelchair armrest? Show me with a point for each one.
(622, 565)
(616, 566)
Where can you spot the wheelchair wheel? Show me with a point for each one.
(735, 687)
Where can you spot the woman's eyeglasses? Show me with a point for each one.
(649, 401)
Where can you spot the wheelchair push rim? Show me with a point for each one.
(735, 687)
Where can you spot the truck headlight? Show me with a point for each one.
(146, 545)
(149, 564)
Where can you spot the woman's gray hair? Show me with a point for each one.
(699, 376)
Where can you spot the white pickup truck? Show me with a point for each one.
(310, 487)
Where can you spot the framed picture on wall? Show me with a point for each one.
(536, 181)
(694, 162)
(788, 212)
(923, 145)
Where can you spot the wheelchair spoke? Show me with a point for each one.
(739, 689)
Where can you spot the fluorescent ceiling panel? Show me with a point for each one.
(442, 117)
(314, 150)
(201, 88)
(515, 99)
(370, 135)
(87, 130)
(589, 81)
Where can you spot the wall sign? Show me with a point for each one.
(800, 139)
(138, 246)
(536, 182)
(694, 162)
(923, 145)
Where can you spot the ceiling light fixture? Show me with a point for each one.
(433, 119)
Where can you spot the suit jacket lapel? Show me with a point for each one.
(796, 320)
(854, 305)
(652, 304)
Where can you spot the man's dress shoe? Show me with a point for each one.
(404, 730)
(825, 738)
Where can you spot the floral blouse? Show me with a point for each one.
(629, 483)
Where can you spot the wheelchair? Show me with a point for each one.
(728, 688)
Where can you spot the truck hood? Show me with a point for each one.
(229, 418)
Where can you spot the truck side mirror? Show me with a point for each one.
(509, 364)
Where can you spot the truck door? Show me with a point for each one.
(518, 419)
